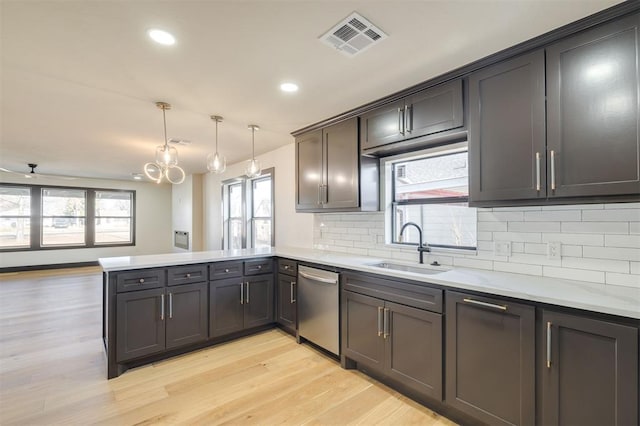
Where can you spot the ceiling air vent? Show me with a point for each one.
(353, 35)
(179, 141)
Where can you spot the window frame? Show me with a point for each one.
(248, 220)
(387, 171)
(36, 218)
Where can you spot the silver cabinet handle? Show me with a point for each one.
(188, 275)
(380, 309)
(226, 270)
(320, 279)
(485, 304)
(319, 194)
(293, 297)
(242, 293)
(247, 292)
(141, 281)
(170, 305)
(400, 121)
(162, 307)
(538, 171)
(407, 118)
(553, 170)
(549, 344)
(325, 194)
(259, 266)
(286, 267)
(386, 323)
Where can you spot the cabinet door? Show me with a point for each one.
(490, 359)
(362, 318)
(309, 170)
(434, 110)
(226, 298)
(590, 372)
(140, 323)
(187, 314)
(382, 125)
(592, 100)
(286, 298)
(342, 165)
(258, 301)
(507, 130)
(413, 352)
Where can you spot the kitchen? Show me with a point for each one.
(590, 236)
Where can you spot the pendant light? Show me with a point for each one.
(253, 165)
(166, 164)
(216, 163)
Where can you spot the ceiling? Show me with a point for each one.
(79, 79)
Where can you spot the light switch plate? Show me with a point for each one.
(502, 248)
(554, 250)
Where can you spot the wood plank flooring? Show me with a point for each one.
(52, 371)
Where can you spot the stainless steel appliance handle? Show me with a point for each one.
(538, 171)
(242, 293)
(380, 310)
(162, 307)
(549, 344)
(553, 170)
(170, 305)
(485, 304)
(319, 279)
(247, 292)
(293, 297)
(386, 323)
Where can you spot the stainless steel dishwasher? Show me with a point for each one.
(318, 307)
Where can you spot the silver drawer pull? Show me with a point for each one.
(485, 304)
(226, 270)
(286, 267)
(141, 281)
(188, 275)
(549, 344)
(259, 266)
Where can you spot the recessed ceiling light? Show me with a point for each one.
(289, 87)
(137, 176)
(162, 37)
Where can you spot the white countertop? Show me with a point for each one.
(615, 300)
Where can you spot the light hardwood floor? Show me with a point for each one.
(52, 371)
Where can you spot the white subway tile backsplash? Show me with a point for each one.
(573, 274)
(599, 242)
(629, 241)
(596, 227)
(626, 280)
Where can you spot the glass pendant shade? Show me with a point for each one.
(253, 166)
(166, 164)
(216, 163)
(166, 156)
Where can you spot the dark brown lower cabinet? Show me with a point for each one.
(286, 302)
(240, 303)
(589, 371)
(151, 321)
(398, 341)
(490, 361)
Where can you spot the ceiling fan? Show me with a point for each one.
(33, 175)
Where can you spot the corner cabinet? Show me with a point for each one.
(584, 145)
(490, 359)
(331, 175)
(589, 371)
(430, 111)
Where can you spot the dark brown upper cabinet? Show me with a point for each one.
(592, 99)
(430, 111)
(507, 130)
(591, 148)
(589, 371)
(330, 175)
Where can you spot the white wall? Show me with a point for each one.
(187, 210)
(153, 224)
(292, 229)
(600, 243)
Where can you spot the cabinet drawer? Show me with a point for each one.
(258, 266)
(288, 267)
(186, 274)
(142, 279)
(222, 270)
(403, 292)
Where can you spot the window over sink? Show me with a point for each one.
(431, 189)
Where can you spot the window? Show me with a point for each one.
(431, 189)
(34, 217)
(248, 212)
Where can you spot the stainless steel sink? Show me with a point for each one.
(425, 269)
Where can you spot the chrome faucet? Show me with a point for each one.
(421, 247)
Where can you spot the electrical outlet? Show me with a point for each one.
(554, 250)
(502, 248)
